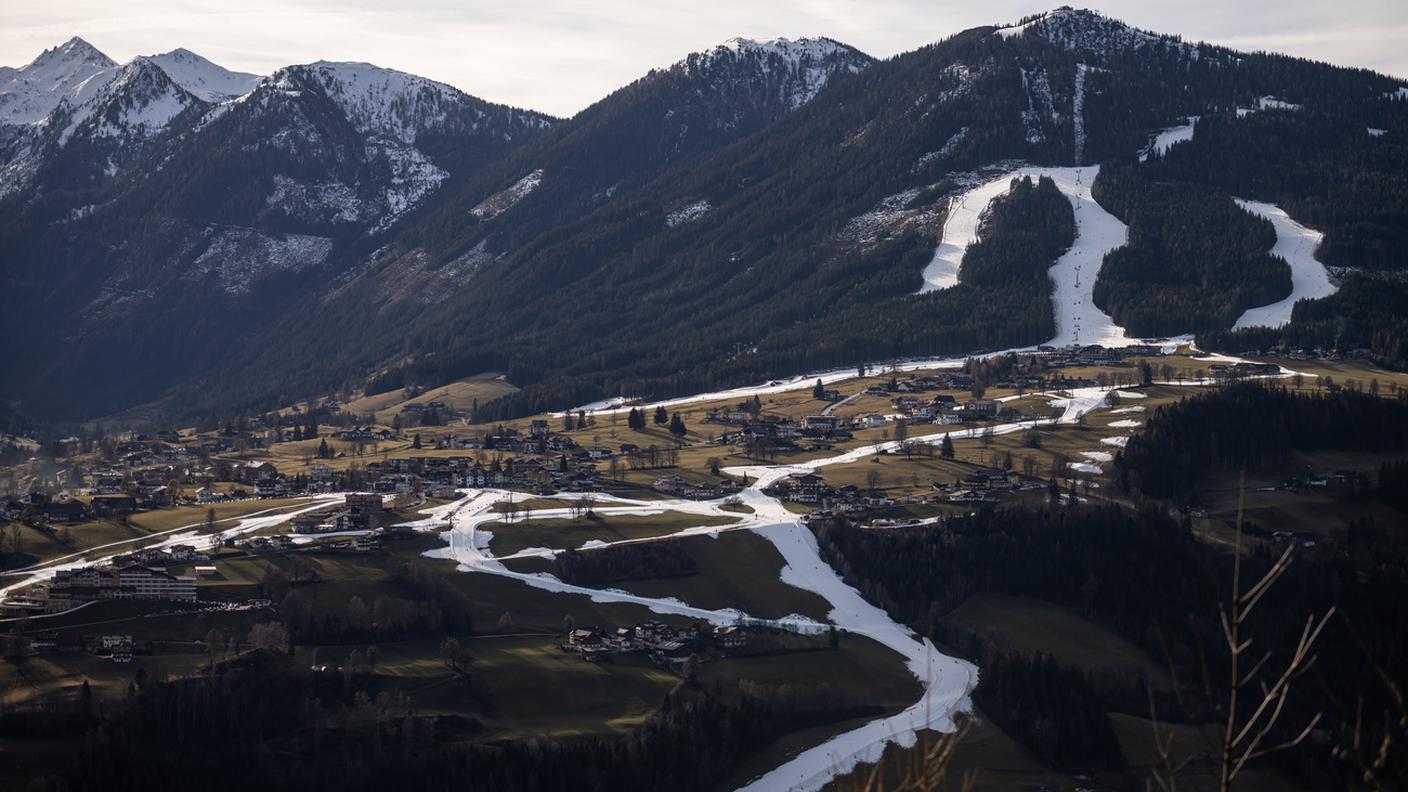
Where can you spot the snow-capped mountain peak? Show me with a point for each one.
(377, 101)
(207, 81)
(30, 93)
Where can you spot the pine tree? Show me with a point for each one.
(662, 417)
(946, 450)
(677, 427)
(415, 443)
(818, 390)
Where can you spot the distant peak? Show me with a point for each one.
(815, 46)
(77, 49)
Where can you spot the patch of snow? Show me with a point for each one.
(1119, 441)
(1268, 103)
(1167, 138)
(890, 215)
(1098, 456)
(947, 149)
(1138, 408)
(1085, 467)
(1296, 244)
(1272, 103)
(240, 256)
(1125, 423)
(805, 65)
(505, 199)
(687, 214)
(1377, 132)
(1078, 114)
(1129, 394)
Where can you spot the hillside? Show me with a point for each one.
(756, 210)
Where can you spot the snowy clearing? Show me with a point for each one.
(1167, 138)
(1309, 279)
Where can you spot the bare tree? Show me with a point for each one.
(1244, 736)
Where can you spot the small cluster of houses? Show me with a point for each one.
(118, 648)
(680, 487)
(1242, 369)
(666, 645)
(160, 557)
(979, 486)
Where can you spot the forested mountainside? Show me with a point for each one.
(760, 209)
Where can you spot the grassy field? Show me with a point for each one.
(135, 528)
(1321, 511)
(1019, 624)
(740, 570)
(568, 533)
(458, 396)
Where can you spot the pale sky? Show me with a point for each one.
(558, 56)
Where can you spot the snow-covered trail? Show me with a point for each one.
(1296, 244)
(469, 547)
(1073, 275)
(947, 681)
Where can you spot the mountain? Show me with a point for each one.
(207, 81)
(181, 209)
(754, 210)
(65, 73)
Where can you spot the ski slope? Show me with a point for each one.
(1296, 244)
(1078, 320)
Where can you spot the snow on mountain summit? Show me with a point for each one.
(30, 93)
(801, 67)
(207, 81)
(387, 102)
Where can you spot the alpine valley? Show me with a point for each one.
(1028, 411)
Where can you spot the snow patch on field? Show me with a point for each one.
(1085, 467)
(1119, 441)
(1138, 408)
(1296, 244)
(1126, 423)
(1098, 456)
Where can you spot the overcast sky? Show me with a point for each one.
(559, 56)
